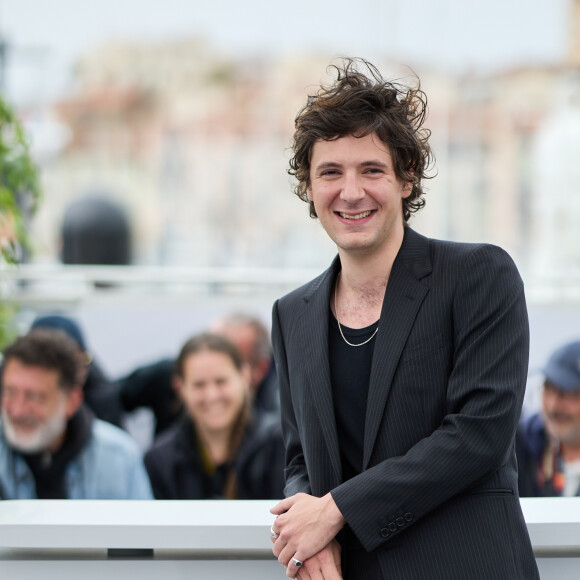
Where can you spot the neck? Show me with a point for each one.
(358, 303)
(364, 283)
(217, 444)
(372, 269)
(360, 288)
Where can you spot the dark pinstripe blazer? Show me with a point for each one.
(438, 494)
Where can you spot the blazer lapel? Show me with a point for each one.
(404, 294)
(314, 339)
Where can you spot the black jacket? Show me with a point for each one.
(437, 497)
(151, 386)
(102, 396)
(176, 471)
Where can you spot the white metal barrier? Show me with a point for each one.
(33, 284)
(164, 540)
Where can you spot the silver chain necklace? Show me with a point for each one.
(337, 320)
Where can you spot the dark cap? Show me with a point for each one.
(563, 367)
(62, 323)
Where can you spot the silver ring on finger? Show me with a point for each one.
(273, 534)
(297, 563)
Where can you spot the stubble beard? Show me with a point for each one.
(42, 438)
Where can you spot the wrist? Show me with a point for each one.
(332, 514)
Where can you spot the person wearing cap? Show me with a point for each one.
(51, 445)
(548, 442)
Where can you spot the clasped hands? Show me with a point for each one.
(304, 532)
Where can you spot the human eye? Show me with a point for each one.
(373, 171)
(8, 393)
(329, 172)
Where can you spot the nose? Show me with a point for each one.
(352, 190)
(212, 393)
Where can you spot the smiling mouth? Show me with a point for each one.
(24, 424)
(356, 216)
(559, 418)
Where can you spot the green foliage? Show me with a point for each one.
(19, 198)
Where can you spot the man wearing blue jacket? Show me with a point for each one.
(51, 446)
(548, 447)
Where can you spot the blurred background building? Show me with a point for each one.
(189, 135)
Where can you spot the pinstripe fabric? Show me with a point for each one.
(438, 494)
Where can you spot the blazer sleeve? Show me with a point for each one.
(484, 396)
(296, 475)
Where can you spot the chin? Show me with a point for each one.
(26, 443)
(37, 440)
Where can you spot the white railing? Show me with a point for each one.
(150, 540)
(32, 284)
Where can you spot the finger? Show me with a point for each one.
(328, 561)
(285, 553)
(294, 566)
(337, 559)
(283, 506)
(331, 572)
(277, 549)
(312, 568)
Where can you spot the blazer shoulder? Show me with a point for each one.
(454, 260)
(464, 253)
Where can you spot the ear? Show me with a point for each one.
(309, 193)
(408, 186)
(74, 401)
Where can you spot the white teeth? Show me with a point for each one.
(357, 216)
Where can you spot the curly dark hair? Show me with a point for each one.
(359, 104)
(47, 348)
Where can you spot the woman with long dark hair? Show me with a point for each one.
(221, 448)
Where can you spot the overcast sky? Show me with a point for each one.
(46, 36)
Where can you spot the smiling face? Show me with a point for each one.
(213, 391)
(35, 409)
(562, 414)
(356, 194)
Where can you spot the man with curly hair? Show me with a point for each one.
(402, 367)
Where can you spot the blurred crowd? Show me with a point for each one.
(215, 408)
(217, 431)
